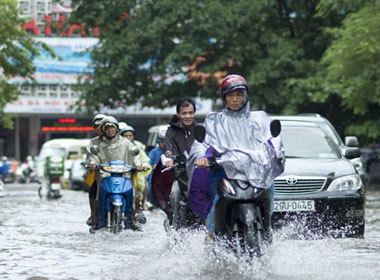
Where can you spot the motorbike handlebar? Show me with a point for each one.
(175, 165)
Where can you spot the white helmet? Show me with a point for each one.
(109, 120)
(97, 119)
(122, 125)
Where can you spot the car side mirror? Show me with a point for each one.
(275, 128)
(351, 153)
(200, 133)
(94, 150)
(351, 141)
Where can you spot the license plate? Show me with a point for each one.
(55, 186)
(294, 205)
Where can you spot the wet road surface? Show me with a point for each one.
(41, 239)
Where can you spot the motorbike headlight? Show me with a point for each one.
(117, 169)
(346, 183)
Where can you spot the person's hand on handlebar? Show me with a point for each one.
(202, 162)
(140, 168)
(169, 163)
(92, 166)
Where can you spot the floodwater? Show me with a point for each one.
(41, 239)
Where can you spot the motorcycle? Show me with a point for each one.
(115, 195)
(242, 212)
(51, 185)
(182, 215)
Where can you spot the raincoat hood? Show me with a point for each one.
(243, 140)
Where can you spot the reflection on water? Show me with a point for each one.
(50, 239)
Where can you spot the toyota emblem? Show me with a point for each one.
(291, 180)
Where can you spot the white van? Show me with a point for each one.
(153, 133)
(69, 148)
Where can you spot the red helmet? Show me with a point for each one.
(232, 82)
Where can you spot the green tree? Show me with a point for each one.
(316, 56)
(17, 52)
(156, 51)
(353, 66)
(346, 82)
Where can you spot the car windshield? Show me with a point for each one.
(330, 132)
(307, 142)
(52, 151)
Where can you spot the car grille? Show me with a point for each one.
(298, 185)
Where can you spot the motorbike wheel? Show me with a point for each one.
(116, 220)
(248, 239)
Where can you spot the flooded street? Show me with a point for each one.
(41, 239)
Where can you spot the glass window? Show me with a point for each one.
(42, 87)
(24, 6)
(41, 6)
(56, 151)
(25, 87)
(307, 142)
(41, 29)
(40, 17)
(33, 90)
(53, 88)
(331, 132)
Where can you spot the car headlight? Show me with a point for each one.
(346, 183)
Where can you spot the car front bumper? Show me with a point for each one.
(342, 211)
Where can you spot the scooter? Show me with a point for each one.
(51, 184)
(242, 212)
(115, 195)
(183, 216)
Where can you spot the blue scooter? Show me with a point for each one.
(116, 197)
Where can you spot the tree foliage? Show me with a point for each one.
(157, 51)
(16, 55)
(297, 56)
(351, 66)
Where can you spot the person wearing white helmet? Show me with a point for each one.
(90, 178)
(112, 146)
(140, 178)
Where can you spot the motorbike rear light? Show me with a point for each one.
(228, 187)
(55, 180)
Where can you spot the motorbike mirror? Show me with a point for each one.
(200, 133)
(169, 154)
(275, 128)
(135, 151)
(95, 150)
